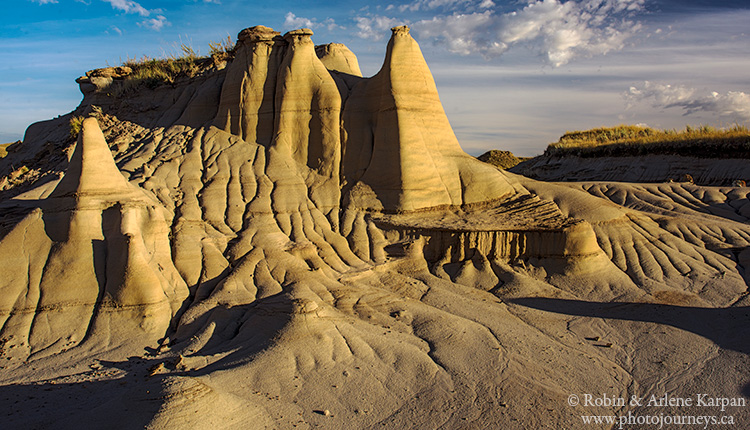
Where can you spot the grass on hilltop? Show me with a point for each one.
(631, 140)
(153, 72)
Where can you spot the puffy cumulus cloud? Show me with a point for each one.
(291, 21)
(129, 6)
(732, 106)
(376, 27)
(559, 30)
(155, 24)
(133, 7)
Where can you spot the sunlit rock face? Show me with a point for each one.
(400, 153)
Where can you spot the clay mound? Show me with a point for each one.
(500, 159)
(282, 237)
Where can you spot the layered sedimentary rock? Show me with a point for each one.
(649, 168)
(338, 58)
(392, 124)
(297, 166)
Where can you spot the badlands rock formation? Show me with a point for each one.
(280, 242)
(720, 171)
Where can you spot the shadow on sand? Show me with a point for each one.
(134, 395)
(728, 328)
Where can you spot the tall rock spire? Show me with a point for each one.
(105, 257)
(400, 152)
(247, 96)
(308, 108)
(91, 171)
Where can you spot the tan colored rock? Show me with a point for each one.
(400, 153)
(101, 79)
(92, 171)
(338, 58)
(308, 107)
(104, 246)
(246, 107)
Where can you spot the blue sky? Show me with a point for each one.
(511, 74)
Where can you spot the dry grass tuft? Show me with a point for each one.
(76, 123)
(4, 150)
(223, 50)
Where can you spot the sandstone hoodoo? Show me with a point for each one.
(279, 235)
(291, 154)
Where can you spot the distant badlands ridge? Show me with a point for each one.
(285, 238)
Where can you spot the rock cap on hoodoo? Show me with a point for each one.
(98, 79)
(299, 35)
(258, 33)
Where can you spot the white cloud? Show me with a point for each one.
(733, 105)
(129, 6)
(292, 21)
(331, 24)
(45, 1)
(375, 27)
(665, 95)
(559, 31)
(465, 5)
(155, 24)
(464, 34)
